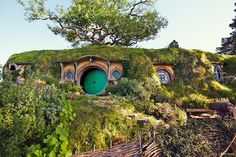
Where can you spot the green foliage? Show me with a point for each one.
(192, 69)
(76, 88)
(205, 137)
(170, 114)
(228, 44)
(50, 80)
(158, 93)
(166, 112)
(178, 142)
(27, 113)
(97, 126)
(66, 86)
(140, 67)
(28, 70)
(1, 75)
(230, 64)
(100, 22)
(196, 101)
(181, 116)
(130, 88)
(56, 143)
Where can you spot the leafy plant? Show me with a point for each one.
(50, 80)
(196, 101)
(130, 88)
(140, 68)
(27, 114)
(56, 143)
(183, 141)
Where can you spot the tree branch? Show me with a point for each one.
(135, 5)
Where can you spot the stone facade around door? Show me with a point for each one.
(79, 67)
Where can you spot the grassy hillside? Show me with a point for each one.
(193, 67)
(56, 121)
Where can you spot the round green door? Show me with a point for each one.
(94, 81)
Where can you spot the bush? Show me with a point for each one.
(27, 114)
(66, 86)
(196, 101)
(49, 80)
(140, 67)
(166, 112)
(130, 88)
(76, 88)
(159, 93)
(170, 114)
(183, 141)
(181, 116)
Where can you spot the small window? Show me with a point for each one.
(12, 67)
(116, 74)
(163, 76)
(69, 75)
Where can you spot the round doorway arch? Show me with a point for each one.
(93, 81)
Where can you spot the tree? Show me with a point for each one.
(100, 22)
(1, 72)
(228, 45)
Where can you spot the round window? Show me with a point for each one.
(69, 75)
(163, 76)
(116, 74)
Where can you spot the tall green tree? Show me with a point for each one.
(228, 45)
(100, 22)
(1, 72)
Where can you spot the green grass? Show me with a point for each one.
(192, 67)
(95, 125)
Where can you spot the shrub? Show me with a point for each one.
(27, 113)
(66, 86)
(196, 101)
(146, 106)
(171, 115)
(49, 80)
(161, 94)
(166, 112)
(76, 88)
(181, 116)
(183, 141)
(130, 88)
(56, 143)
(140, 67)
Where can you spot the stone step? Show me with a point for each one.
(117, 107)
(104, 98)
(104, 106)
(133, 115)
(142, 121)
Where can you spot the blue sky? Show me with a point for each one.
(198, 24)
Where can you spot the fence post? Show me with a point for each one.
(94, 148)
(110, 144)
(140, 143)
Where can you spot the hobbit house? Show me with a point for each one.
(102, 66)
(92, 73)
